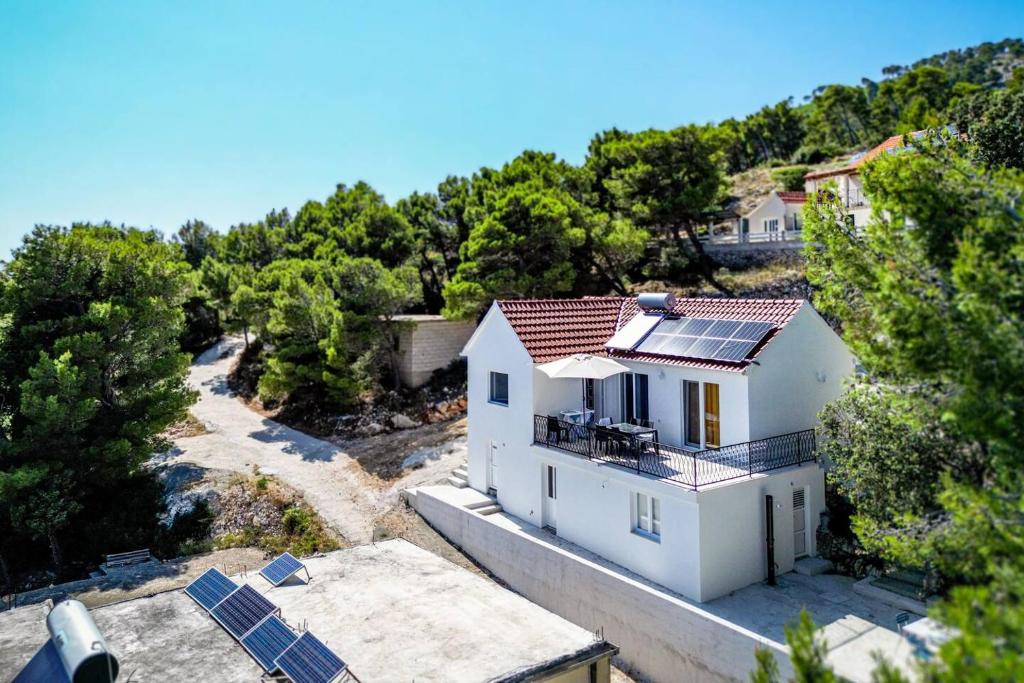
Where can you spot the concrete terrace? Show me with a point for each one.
(711, 641)
(393, 611)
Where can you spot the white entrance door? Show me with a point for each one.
(799, 523)
(492, 466)
(550, 496)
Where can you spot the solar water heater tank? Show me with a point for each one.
(659, 301)
(81, 646)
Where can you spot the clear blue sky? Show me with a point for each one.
(149, 113)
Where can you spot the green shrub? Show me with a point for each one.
(790, 179)
(296, 520)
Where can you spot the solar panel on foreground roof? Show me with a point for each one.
(310, 661)
(267, 641)
(210, 588)
(44, 667)
(241, 611)
(278, 571)
(705, 338)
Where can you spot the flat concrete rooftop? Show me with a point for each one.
(393, 611)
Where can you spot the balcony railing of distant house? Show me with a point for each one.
(791, 233)
(691, 469)
(855, 199)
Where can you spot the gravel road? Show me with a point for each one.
(346, 496)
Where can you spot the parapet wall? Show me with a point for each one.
(660, 635)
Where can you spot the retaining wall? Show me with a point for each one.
(660, 635)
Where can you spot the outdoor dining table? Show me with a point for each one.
(637, 433)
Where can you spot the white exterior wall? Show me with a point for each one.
(712, 541)
(665, 396)
(772, 207)
(796, 375)
(594, 510)
(495, 347)
(733, 552)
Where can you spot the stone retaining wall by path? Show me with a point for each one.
(660, 635)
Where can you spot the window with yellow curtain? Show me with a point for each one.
(712, 432)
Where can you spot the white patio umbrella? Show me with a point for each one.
(582, 366)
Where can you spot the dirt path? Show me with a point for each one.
(348, 497)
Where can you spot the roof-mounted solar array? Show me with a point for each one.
(283, 567)
(704, 338)
(308, 660)
(210, 588)
(242, 611)
(268, 641)
(634, 332)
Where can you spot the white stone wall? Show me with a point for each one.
(428, 345)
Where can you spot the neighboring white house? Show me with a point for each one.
(776, 218)
(848, 180)
(686, 502)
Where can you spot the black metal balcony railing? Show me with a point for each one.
(691, 469)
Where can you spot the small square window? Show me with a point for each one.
(499, 388)
(646, 515)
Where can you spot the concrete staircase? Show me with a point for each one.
(459, 478)
(485, 507)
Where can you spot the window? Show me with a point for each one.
(712, 429)
(552, 483)
(771, 224)
(647, 515)
(499, 388)
(635, 403)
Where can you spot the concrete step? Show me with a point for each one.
(458, 483)
(482, 503)
(488, 509)
(812, 566)
(461, 473)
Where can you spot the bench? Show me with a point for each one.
(129, 558)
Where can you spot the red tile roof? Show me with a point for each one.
(556, 328)
(793, 197)
(889, 145)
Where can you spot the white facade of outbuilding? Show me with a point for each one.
(712, 537)
(776, 218)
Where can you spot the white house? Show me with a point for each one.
(848, 181)
(776, 218)
(722, 395)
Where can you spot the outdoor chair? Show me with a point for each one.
(604, 438)
(557, 430)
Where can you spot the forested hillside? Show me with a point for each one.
(96, 317)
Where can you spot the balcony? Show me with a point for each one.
(642, 453)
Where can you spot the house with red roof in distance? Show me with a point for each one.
(776, 218)
(847, 178)
(672, 437)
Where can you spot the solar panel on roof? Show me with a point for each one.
(268, 640)
(705, 338)
(210, 588)
(633, 332)
(44, 667)
(308, 660)
(241, 611)
(278, 571)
